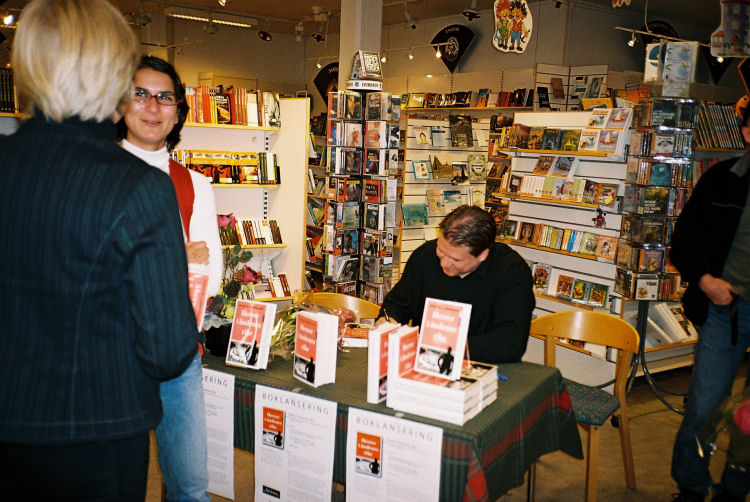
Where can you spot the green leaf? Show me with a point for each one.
(246, 256)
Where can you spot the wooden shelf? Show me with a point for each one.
(314, 267)
(566, 345)
(542, 248)
(466, 108)
(718, 150)
(257, 246)
(548, 200)
(11, 115)
(686, 343)
(274, 299)
(564, 301)
(581, 153)
(230, 126)
(321, 197)
(244, 185)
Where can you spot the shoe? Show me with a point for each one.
(688, 496)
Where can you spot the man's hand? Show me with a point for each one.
(718, 290)
(197, 252)
(379, 321)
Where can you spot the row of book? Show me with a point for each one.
(643, 257)
(224, 167)
(661, 172)
(344, 161)
(661, 143)
(647, 230)
(250, 232)
(376, 134)
(654, 200)
(484, 98)
(573, 289)
(666, 112)
(236, 105)
(7, 91)
(554, 139)
(347, 268)
(573, 189)
(718, 127)
(352, 215)
(344, 189)
(343, 105)
(474, 168)
(458, 134)
(602, 247)
(668, 324)
(647, 286)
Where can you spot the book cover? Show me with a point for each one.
(510, 229)
(477, 167)
(564, 287)
(461, 131)
(618, 118)
(606, 248)
(372, 191)
(315, 348)
(377, 106)
(659, 174)
(650, 260)
(540, 275)
(353, 134)
(570, 139)
(590, 189)
(563, 167)
(651, 231)
(439, 136)
(421, 169)
(551, 139)
(607, 194)
(608, 139)
(598, 295)
(460, 172)
(377, 361)
(646, 287)
(353, 106)
(394, 135)
(198, 276)
(422, 134)
(273, 427)
(368, 453)
(351, 162)
(250, 338)
(535, 138)
(414, 214)
(589, 242)
(435, 205)
(452, 199)
(519, 136)
(598, 118)
(441, 170)
(543, 165)
(653, 200)
(442, 338)
(376, 134)
(580, 291)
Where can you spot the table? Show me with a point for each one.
(481, 460)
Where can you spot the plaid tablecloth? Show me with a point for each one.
(481, 460)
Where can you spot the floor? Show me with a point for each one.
(560, 477)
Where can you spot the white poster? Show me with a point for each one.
(218, 397)
(389, 458)
(294, 439)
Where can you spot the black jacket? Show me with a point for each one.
(499, 291)
(705, 230)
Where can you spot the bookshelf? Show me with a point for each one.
(283, 202)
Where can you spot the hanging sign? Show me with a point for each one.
(512, 25)
(730, 38)
(453, 42)
(327, 80)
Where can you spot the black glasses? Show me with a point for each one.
(163, 98)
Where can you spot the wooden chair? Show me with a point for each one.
(363, 308)
(593, 406)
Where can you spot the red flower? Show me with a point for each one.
(742, 417)
(249, 276)
(226, 220)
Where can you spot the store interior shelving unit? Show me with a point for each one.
(283, 202)
(316, 176)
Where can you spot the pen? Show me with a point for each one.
(502, 377)
(385, 313)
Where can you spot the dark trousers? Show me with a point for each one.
(109, 471)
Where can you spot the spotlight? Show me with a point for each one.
(472, 13)
(411, 22)
(438, 54)
(631, 42)
(384, 57)
(210, 27)
(264, 35)
(411, 55)
(8, 19)
(298, 29)
(318, 65)
(719, 59)
(223, 3)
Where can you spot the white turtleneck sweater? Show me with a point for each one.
(203, 224)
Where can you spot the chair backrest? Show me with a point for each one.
(590, 327)
(361, 307)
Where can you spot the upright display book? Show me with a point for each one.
(442, 338)
(461, 133)
(197, 284)
(250, 338)
(377, 361)
(315, 348)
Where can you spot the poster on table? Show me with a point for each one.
(218, 401)
(294, 438)
(389, 458)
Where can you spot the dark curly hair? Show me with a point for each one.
(469, 226)
(158, 64)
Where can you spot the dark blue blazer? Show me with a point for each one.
(94, 307)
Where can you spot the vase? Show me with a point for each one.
(217, 340)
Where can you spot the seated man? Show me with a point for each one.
(465, 264)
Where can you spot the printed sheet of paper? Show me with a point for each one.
(294, 439)
(218, 400)
(389, 458)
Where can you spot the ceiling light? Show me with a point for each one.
(210, 27)
(411, 22)
(384, 57)
(318, 65)
(438, 54)
(265, 35)
(631, 42)
(298, 31)
(223, 3)
(719, 59)
(8, 19)
(429, 75)
(472, 13)
(411, 55)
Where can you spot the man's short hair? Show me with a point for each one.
(73, 58)
(469, 226)
(158, 64)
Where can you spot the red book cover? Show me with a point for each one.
(442, 338)
(197, 284)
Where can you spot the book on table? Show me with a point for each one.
(250, 338)
(442, 338)
(315, 348)
(377, 361)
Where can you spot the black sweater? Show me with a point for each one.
(499, 291)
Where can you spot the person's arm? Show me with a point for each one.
(505, 341)
(203, 227)
(149, 234)
(398, 304)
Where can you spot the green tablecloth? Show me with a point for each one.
(481, 460)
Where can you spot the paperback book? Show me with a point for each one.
(442, 338)
(377, 361)
(250, 338)
(315, 348)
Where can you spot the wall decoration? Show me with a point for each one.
(731, 37)
(454, 41)
(512, 25)
(327, 80)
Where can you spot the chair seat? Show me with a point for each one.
(591, 405)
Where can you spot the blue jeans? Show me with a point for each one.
(181, 437)
(714, 370)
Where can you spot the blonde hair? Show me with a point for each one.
(73, 58)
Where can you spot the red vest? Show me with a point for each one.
(183, 186)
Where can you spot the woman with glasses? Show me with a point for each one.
(150, 129)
